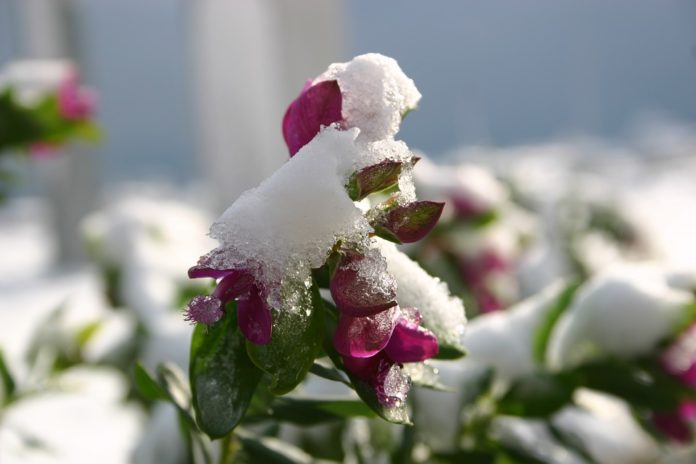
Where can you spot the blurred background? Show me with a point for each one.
(569, 106)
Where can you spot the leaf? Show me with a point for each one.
(223, 378)
(450, 352)
(296, 341)
(309, 412)
(270, 450)
(537, 395)
(329, 373)
(6, 379)
(545, 327)
(147, 386)
(373, 179)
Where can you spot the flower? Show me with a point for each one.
(374, 347)
(75, 103)
(253, 314)
(316, 106)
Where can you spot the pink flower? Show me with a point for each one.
(75, 103)
(676, 424)
(360, 285)
(373, 348)
(253, 314)
(317, 105)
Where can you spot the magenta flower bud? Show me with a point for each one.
(408, 223)
(363, 337)
(391, 386)
(74, 102)
(373, 179)
(208, 265)
(254, 317)
(411, 343)
(361, 286)
(673, 424)
(317, 105)
(234, 284)
(204, 310)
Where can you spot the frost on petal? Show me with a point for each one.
(361, 284)
(362, 337)
(209, 265)
(291, 221)
(391, 384)
(411, 343)
(204, 310)
(254, 317)
(317, 105)
(376, 94)
(442, 313)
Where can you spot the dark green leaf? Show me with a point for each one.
(270, 450)
(312, 412)
(8, 383)
(543, 331)
(296, 341)
(537, 395)
(147, 386)
(223, 379)
(329, 373)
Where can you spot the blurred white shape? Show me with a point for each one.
(161, 441)
(88, 423)
(604, 426)
(624, 311)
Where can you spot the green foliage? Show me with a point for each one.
(296, 342)
(537, 395)
(308, 412)
(223, 378)
(545, 327)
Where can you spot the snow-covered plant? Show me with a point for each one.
(304, 268)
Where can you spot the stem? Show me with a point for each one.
(229, 447)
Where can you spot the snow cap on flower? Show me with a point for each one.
(376, 94)
(370, 93)
(624, 311)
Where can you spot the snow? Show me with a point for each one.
(504, 340)
(442, 313)
(605, 427)
(624, 311)
(291, 221)
(376, 94)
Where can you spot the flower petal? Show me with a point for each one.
(209, 265)
(363, 337)
(391, 384)
(254, 317)
(411, 343)
(204, 310)
(361, 285)
(234, 284)
(318, 105)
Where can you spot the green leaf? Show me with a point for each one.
(309, 412)
(537, 395)
(270, 450)
(545, 327)
(450, 352)
(687, 319)
(373, 179)
(147, 386)
(296, 341)
(223, 378)
(6, 379)
(329, 373)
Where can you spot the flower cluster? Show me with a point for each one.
(339, 132)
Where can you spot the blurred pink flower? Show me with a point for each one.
(75, 102)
